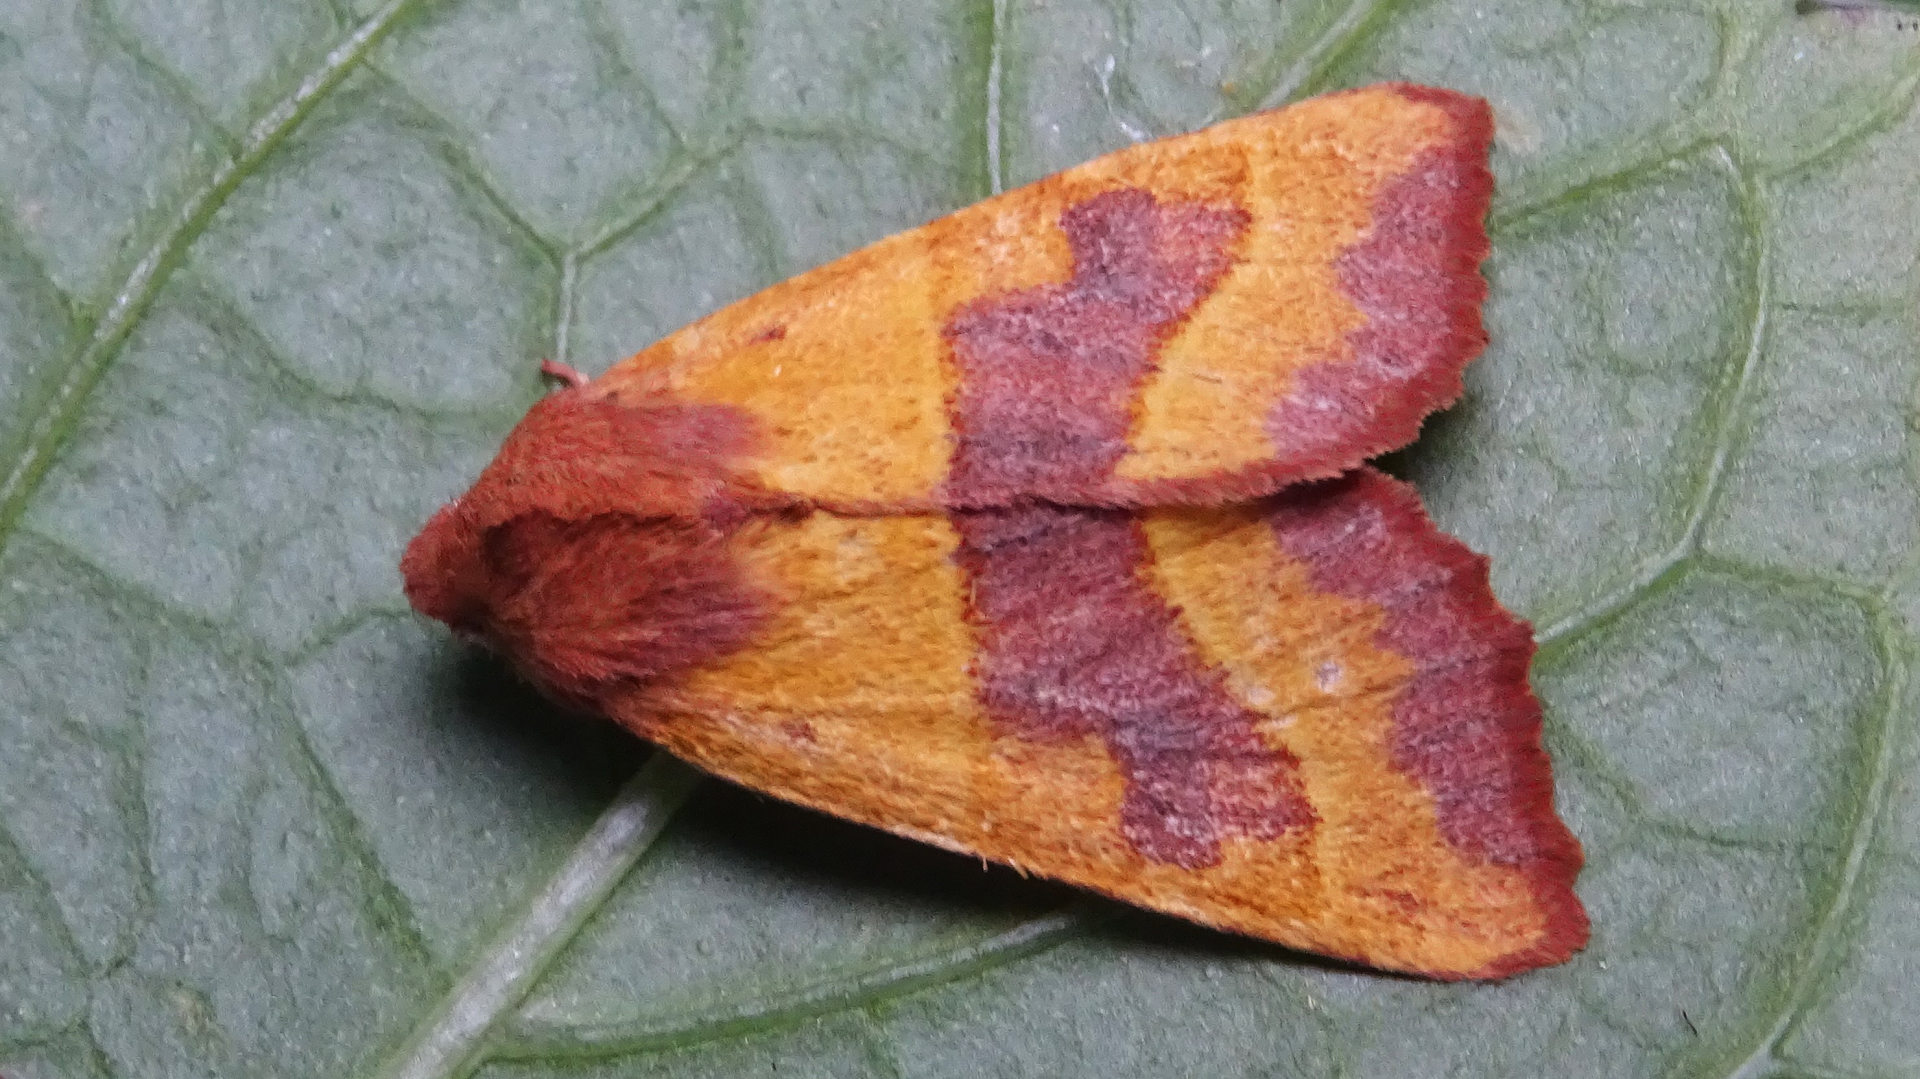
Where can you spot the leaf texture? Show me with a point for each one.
(273, 279)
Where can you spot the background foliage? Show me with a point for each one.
(273, 276)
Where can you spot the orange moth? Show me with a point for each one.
(1042, 532)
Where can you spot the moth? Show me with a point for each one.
(1044, 533)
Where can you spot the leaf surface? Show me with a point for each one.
(273, 279)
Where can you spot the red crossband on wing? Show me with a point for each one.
(1466, 725)
(1075, 644)
(1047, 377)
(1416, 278)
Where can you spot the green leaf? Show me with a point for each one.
(273, 279)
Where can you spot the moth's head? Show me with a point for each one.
(585, 557)
(445, 576)
(447, 570)
(585, 606)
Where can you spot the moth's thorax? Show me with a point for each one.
(592, 551)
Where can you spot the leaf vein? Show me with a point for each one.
(860, 989)
(1723, 422)
(1824, 948)
(60, 413)
(450, 1040)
